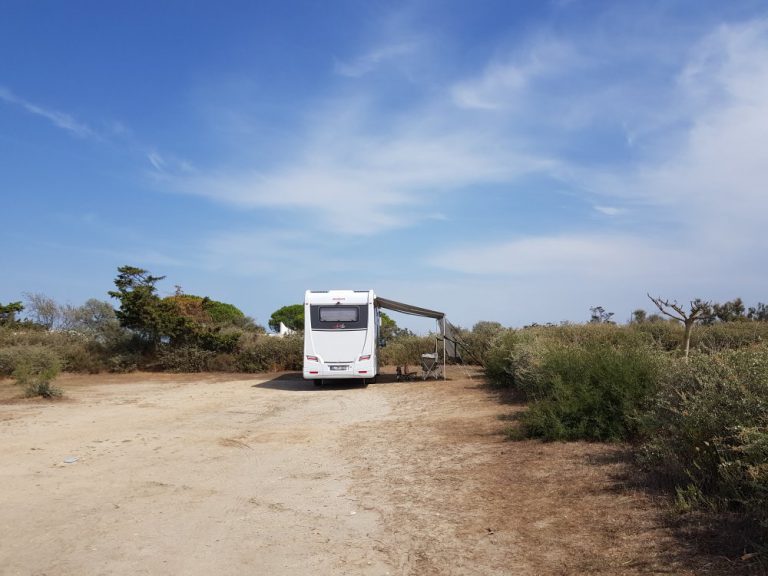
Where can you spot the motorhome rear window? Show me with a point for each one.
(339, 314)
(339, 317)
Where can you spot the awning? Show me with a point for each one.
(407, 308)
(447, 330)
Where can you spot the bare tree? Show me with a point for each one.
(699, 310)
(43, 310)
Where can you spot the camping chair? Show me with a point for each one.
(431, 366)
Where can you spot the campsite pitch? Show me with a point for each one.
(266, 474)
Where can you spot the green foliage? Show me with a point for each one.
(598, 315)
(264, 353)
(180, 320)
(184, 358)
(95, 319)
(406, 350)
(731, 311)
(203, 310)
(758, 313)
(8, 312)
(514, 359)
(706, 433)
(142, 310)
(665, 334)
(589, 391)
(223, 313)
(292, 316)
(703, 424)
(477, 343)
(389, 330)
(387, 327)
(219, 340)
(33, 367)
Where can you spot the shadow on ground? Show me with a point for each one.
(294, 382)
(711, 544)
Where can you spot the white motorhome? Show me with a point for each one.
(341, 329)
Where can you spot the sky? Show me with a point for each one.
(512, 161)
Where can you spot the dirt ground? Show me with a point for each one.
(266, 474)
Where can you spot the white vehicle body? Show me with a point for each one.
(340, 335)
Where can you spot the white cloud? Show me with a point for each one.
(269, 253)
(712, 181)
(156, 160)
(700, 202)
(351, 181)
(369, 61)
(505, 82)
(609, 210)
(582, 255)
(58, 119)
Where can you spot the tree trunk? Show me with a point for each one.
(687, 336)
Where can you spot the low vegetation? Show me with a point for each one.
(688, 393)
(698, 424)
(33, 367)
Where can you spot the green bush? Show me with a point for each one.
(267, 354)
(706, 433)
(514, 360)
(183, 359)
(123, 362)
(406, 350)
(667, 336)
(219, 340)
(475, 345)
(729, 336)
(33, 367)
(589, 392)
(77, 352)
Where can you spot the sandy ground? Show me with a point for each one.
(232, 474)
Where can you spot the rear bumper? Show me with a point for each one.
(322, 371)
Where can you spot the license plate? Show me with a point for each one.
(336, 367)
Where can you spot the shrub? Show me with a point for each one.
(706, 433)
(183, 359)
(729, 336)
(406, 350)
(478, 343)
(267, 354)
(514, 359)
(218, 340)
(124, 362)
(589, 392)
(33, 367)
(667, 336)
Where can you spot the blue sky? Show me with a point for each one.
(509, 161)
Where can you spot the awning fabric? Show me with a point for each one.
(407, 308)
(447, 330)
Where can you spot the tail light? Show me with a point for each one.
(366, 357)
(313, 358)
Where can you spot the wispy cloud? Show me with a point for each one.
(351, 181)
(712, 180)
(701, 190)
(687, 186)
(506, 81)
(59, 119)
(609, 210)
(269, 253)
(369, 61)
(567, 255)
